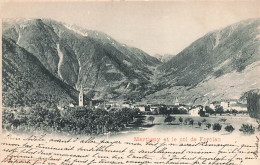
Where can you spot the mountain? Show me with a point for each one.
(164, 57)
(220, 65)
(46, 59)
(80, 57)
(26, 82)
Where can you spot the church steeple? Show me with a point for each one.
(176, 102)
(81, 97)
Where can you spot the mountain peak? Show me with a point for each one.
(78, 56)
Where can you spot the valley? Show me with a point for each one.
(109, 70)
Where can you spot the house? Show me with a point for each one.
(112, 104)
(141, 108)
(195, 111)
(153, 108)
(100, 105)
(212, 106)
(227, 104)
(239, 107)
(125, 105)
(182, 108)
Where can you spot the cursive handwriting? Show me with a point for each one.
(42, 149)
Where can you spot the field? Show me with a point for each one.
(160, 128)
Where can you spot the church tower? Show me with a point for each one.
(81, 97)
(176, 102)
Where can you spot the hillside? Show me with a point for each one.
(221, 65)
(81, 57)
(26, 82)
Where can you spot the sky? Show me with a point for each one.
(154, 27)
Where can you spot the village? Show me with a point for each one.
(106, 117)
(224, 106)
(228, 107)
(109, 117)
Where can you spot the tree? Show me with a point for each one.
(247, 129)
(209, 110)
(173, 118)
(253, 104)
(7, 116)
(217, 126)
(180, 119)
(168, 119)
(163, 110)
(219, 109)
(151, 119)
(202, 113)
(147, 108)
(70, 120)
(191, 122)
(234, 112)
(229, 128)
(204, 121)
(187, 120)
(16, 123)
(199, 124)
(208, 125)
(175, 110)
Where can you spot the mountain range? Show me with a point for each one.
(57, 59)
(223, 64)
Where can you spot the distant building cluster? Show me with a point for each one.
(229, 105)
(176, 107)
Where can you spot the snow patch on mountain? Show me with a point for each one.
(127, 63)
(137, 71)
(60, 54)
(19, 37)
(75, 30)
(217, 40)
(23, 26)
(222, 64)
(79, 66)
(128, 85)
(112, 70)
